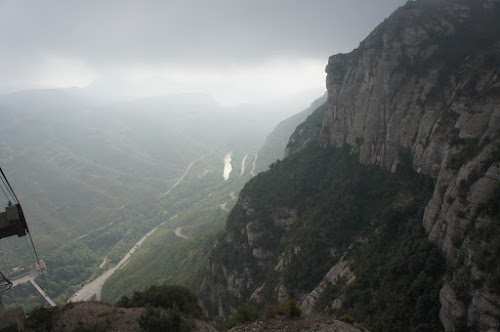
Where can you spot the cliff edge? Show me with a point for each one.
(427, 81)
(423, 88)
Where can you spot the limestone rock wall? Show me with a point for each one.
(231, 281)
(426, 85)
(423, 86)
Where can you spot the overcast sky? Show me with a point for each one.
(235, 50)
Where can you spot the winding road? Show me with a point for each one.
(104, 261)
(183, 176)
(95, 286)
(180, 180)
(223, 206)
(178, 233)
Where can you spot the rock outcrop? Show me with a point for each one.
(340, 271)
(11, 320)
(230, 281)
(424, 86)
(427, 82)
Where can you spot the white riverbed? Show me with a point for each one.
(227, 165)
(243, 164)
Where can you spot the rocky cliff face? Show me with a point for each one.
(242, 254)
(427, 81)
(424, 84)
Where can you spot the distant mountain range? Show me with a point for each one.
(90, 175)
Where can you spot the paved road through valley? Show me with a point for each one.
(178, 233)
(95, 287)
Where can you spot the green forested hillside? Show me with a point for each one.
(92, 178)
(345, 211)
(200, 205)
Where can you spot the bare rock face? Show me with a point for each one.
(426, 85)
(341, 270)
(453, 310)
(230, 281)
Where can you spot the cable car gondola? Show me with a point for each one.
(12, 221)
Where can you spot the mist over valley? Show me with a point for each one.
(242, 166)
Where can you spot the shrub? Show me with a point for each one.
(165, 297)
(289, 308)
(246, 313)
(270, 313)
(39, 317)
(347, 318)
(156, 319)
(166, 307)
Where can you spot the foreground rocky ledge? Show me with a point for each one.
(296, 325)
(99, 316)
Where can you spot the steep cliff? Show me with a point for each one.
(423, 88)
(307, 230)
(427, 81)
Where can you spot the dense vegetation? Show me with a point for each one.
(175, 261)
(168, 308)
(248, 313)
(341, 202)
(90, 187)
(23, 293)
(73, 264)
(398, 278)
(196, 206)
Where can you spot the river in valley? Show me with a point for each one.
(227, 166)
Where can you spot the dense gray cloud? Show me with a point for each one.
(210, 30)
(96, 35)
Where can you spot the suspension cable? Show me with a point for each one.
(38, 262)
(6, 188)
(10, 187)
(4, 179)
(5, 192)
(5, 283)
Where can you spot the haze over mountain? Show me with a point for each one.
(379, 203)
(93, 176)
(59, 136)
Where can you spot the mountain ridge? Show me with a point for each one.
(420, 93)
(275, 143)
